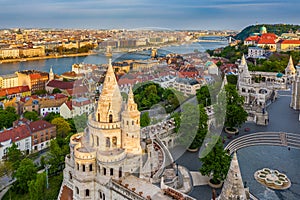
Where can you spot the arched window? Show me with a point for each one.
(104, 171)
(103, 196)
(98, 169)
(108, 142)
(77, 166)
(100, 194)
(132, 122)
(114, 141)
(83, 168)
(111, 171)
(87, 192)
(91, 167)
(110, 118)
(97, 141)
(120, 172)
(77, 190)
(98, 117)
(70, 175)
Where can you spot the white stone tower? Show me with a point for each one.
(290, 71)
(295, 101)
(131, 126)
(51, 74)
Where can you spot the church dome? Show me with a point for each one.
(263, 29)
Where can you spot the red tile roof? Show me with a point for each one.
(266, 41)
(35, 76)
(39, 125)
(15, 134)
(289, 41)
(252, 38)
(66, 194)
(14, 90)
(61, 84)
(69, 104)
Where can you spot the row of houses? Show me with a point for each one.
(21, 52)
(28, 136)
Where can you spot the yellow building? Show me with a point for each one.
(288, 45)
(32, 52)
(9, 53)
(9, 80)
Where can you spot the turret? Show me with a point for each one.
(233, 188)
(131, 126)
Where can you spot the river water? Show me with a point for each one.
(61, 65)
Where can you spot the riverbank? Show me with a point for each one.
(46, 57)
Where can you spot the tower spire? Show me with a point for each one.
(110, 100)
(290, 69)
(233, 187)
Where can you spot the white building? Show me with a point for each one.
(187, 86)
(109, 160)
(256, 52)
(50, 105)
(20, 135)
(76, 107)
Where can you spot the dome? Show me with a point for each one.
(279, 75)
(263, 29)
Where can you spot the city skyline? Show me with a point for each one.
(133, 14)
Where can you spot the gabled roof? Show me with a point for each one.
(14, 90)
(266, 41)
(60, 84)
(39, 125)
(15, 134)
(289, 41)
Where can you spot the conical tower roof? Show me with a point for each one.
(245, 72)
(243, 60)
(110, 99)
(233, 187)
(290, 69)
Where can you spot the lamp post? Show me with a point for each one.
(47, 166)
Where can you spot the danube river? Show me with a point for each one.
(61, 65)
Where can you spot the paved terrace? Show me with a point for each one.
(281, 156)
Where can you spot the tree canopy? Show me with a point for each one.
(235, 113)
(33, 116)
(7, 117)
(14, 156)
(62, 127)
(145, 119)
(25, 173)
(216, 161)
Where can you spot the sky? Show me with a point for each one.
(134, 14)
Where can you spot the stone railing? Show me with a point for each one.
(111, 156)
(265, 138)
(126, 191)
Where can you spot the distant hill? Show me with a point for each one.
(278, 29)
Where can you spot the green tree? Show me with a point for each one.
(57, 153)
(62, 127)
(80, 122)
(33, 116)
(37, 187)
(216, 161)
(145, 119)
(6, 168)
(202, 128)
(50, 116)
(14, 156)
(7, 117)
(235, 113)
(25, 173)
(56, 91)
(203, 96)
(232, 79)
